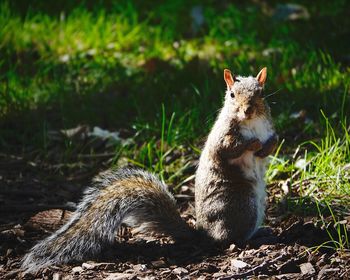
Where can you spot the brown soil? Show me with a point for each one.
(35, 199)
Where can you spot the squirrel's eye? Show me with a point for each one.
(232, 94)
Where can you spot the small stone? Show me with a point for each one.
(140, 267)
(232, 248)
(307, 268)
(77, 269)
(180, 271)
(238, 264)
(88, 266)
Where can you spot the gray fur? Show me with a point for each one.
(229, 184)
(142, 210)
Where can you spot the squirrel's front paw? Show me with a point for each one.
(268, 147)
(254, 145)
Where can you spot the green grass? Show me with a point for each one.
(318, 180)
(139, 65)
(319, 170)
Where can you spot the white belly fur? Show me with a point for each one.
(252, 166)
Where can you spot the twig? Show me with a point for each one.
(12, 274)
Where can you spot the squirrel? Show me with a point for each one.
(229, 188)
(229, 182)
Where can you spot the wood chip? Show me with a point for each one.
(49, 220)
(159, 264)
(180, 271)
(307, 268)
(56, 276)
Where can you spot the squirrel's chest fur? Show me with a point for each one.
(252, 166)
(260, 128)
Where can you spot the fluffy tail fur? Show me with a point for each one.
(129, 196)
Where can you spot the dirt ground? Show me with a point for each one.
(35, 199)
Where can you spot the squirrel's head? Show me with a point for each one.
(244, 95)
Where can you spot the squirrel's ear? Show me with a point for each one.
(261, 77)
(228, 78)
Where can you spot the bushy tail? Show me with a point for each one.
(130, 196)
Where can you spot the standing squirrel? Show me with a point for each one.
(230, 185)
(229, 188)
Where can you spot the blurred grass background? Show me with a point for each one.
(156, 68)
